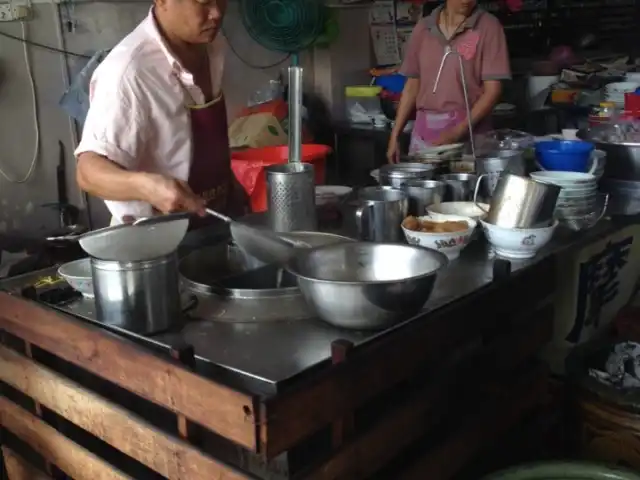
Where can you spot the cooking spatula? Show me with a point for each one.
(261, 243)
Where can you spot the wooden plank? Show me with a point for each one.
(114, 425)
(37, 407)
(495, 419)
(68, 456)
(286, 418)
(369, 452)
(19, 469)
(342, 428)
(223, 410)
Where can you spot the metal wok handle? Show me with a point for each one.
(476, 190)
(362, 220)
(595, 162)
(604, 208)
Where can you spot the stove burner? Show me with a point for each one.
(57, 296)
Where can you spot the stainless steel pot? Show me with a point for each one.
(623, 159)
(367, 286)
(397, 175)
(459, 186)
(520, 202)
(375, 214)
(492, 166)
(423, 193)
(142, 297)
(624, 196)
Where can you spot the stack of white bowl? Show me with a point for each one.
(614, 92)
(633, 77)
(577, 206)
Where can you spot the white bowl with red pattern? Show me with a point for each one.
(451, 244)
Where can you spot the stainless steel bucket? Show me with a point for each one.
(142, 297)
(459, 186)
(291, 197)
(492, 166)
(423, 193)
(376, 214)
(520, 202)
(397, 175)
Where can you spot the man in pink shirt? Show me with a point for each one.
(155, 138)
(441, 119)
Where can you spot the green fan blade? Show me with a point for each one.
(284, 25)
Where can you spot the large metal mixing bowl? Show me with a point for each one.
(367, 286)
(623, 159)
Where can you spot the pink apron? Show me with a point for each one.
(430, 125)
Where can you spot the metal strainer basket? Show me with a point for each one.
(291, 197)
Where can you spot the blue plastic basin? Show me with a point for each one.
(564, 155)
(393, 83)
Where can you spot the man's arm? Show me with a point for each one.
(103, 178)
(114, 138)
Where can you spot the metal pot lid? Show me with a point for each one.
(406, 169)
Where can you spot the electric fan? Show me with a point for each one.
(288, 26)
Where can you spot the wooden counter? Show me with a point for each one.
(94, 405)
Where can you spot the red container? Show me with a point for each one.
(248, 166)
(632, 104)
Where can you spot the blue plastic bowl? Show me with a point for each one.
(564, 155)
(394, 82)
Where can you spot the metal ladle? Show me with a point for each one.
(450, 51)
(261, 243)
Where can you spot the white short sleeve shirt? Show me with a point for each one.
(138, 116)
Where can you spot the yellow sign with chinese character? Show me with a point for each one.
(594, 283)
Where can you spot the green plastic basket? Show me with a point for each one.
(564, 471)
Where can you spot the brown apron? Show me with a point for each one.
(210, 175)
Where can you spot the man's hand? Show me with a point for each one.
(168, 194)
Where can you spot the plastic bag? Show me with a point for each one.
(505, 139)
(75, 101)
(267, 93)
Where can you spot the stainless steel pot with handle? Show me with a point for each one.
(492, 166)
(520, 202)
(376, 214)
(142, 297)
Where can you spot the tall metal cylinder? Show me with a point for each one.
(143, 297)
(291, 197)
(295, 114)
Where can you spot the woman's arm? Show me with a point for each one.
(410, 69)
(406, 106)
(481, 109)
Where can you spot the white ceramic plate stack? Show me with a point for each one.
(578, 205)
(614, 92)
